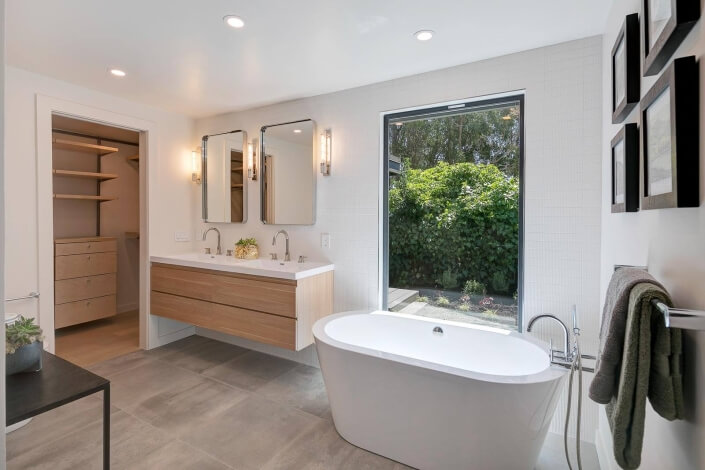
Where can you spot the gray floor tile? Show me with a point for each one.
(251, 370)
(248, 435)
(322, 448)
(301, 387)
(179, 345)
(119, 364)
(130, 441)
(178, 455)
(195, 406)
(54, 424)
(201, 356)
(132, 387)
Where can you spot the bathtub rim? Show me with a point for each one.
(551, 373)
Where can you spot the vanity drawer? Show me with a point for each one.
(277, 297)
(73, 313)
(71, 266)
(63, 249)
(80, 288)
(272, 329)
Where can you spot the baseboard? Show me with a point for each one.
(128, 307)
(603, 443)
(174, 336)
(306, 356)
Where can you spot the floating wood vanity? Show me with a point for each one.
(276, 310)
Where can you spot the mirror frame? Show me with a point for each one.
(204, 176)
(262, 154)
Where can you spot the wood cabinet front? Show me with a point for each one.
(72, 266)
(280, 312)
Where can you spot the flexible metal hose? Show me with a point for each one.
(576, 363)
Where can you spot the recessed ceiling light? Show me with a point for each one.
(234, 21)
(423, 35)
(117, 72)
(297, 131)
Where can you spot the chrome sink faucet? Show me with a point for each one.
(218, 250)
(287, 257)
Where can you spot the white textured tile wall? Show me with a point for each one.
(563, 175)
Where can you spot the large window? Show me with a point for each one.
(453, 207)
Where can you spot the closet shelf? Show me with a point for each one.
(83, 147)
(134, 158)
(236, 186)
(86, 174)
(83, 239)
(135, 235)
(237, 168)
(84, 197)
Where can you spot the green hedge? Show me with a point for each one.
(453, 223)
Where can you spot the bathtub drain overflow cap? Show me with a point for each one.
(438, 330)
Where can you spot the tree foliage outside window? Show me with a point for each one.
(454, 209)
(486, 136)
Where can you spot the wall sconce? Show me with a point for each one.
(325, 152)
(196, 166)
(251, 163)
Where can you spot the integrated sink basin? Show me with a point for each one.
(256, 267)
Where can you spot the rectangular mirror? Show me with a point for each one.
(224, 177)
(288, 172)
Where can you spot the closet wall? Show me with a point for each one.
(117, 218)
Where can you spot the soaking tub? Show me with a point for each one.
(437, 395)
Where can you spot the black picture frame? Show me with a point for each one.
(628, 135)
(628, 74)
(678, 84)
(684, 14)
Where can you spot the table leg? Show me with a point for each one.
(106, 427)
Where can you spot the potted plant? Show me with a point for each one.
(246, 248)
(23, 346)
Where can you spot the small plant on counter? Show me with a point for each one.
(21, 333)
(23, 346)
(246, 248)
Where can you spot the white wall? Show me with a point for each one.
(670, 243)
(2, 232)
(171, 203)
(563, 170)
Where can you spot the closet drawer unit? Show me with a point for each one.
(73, 313)
(72, 266)
(63, 249)
(81, 288)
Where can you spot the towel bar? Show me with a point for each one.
(31, 295)
(675, 317)
(680, 317)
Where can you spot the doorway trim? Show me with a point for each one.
(46, 106)
(383, 208)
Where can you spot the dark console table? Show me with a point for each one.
(58, 383)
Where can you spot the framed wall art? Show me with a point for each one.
(626, 77)
(665, 24)
(669, 138)
(625, 169)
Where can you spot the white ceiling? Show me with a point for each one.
(179, 54)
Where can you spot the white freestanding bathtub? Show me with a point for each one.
(469, 397)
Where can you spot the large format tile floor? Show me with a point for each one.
(201, 404)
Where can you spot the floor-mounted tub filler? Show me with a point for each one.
(437, 395)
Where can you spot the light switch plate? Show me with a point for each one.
(325, 240)
(181, 236)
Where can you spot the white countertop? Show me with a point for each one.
(256, 267)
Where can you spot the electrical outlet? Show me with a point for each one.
(325, 240)
(181, 236)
